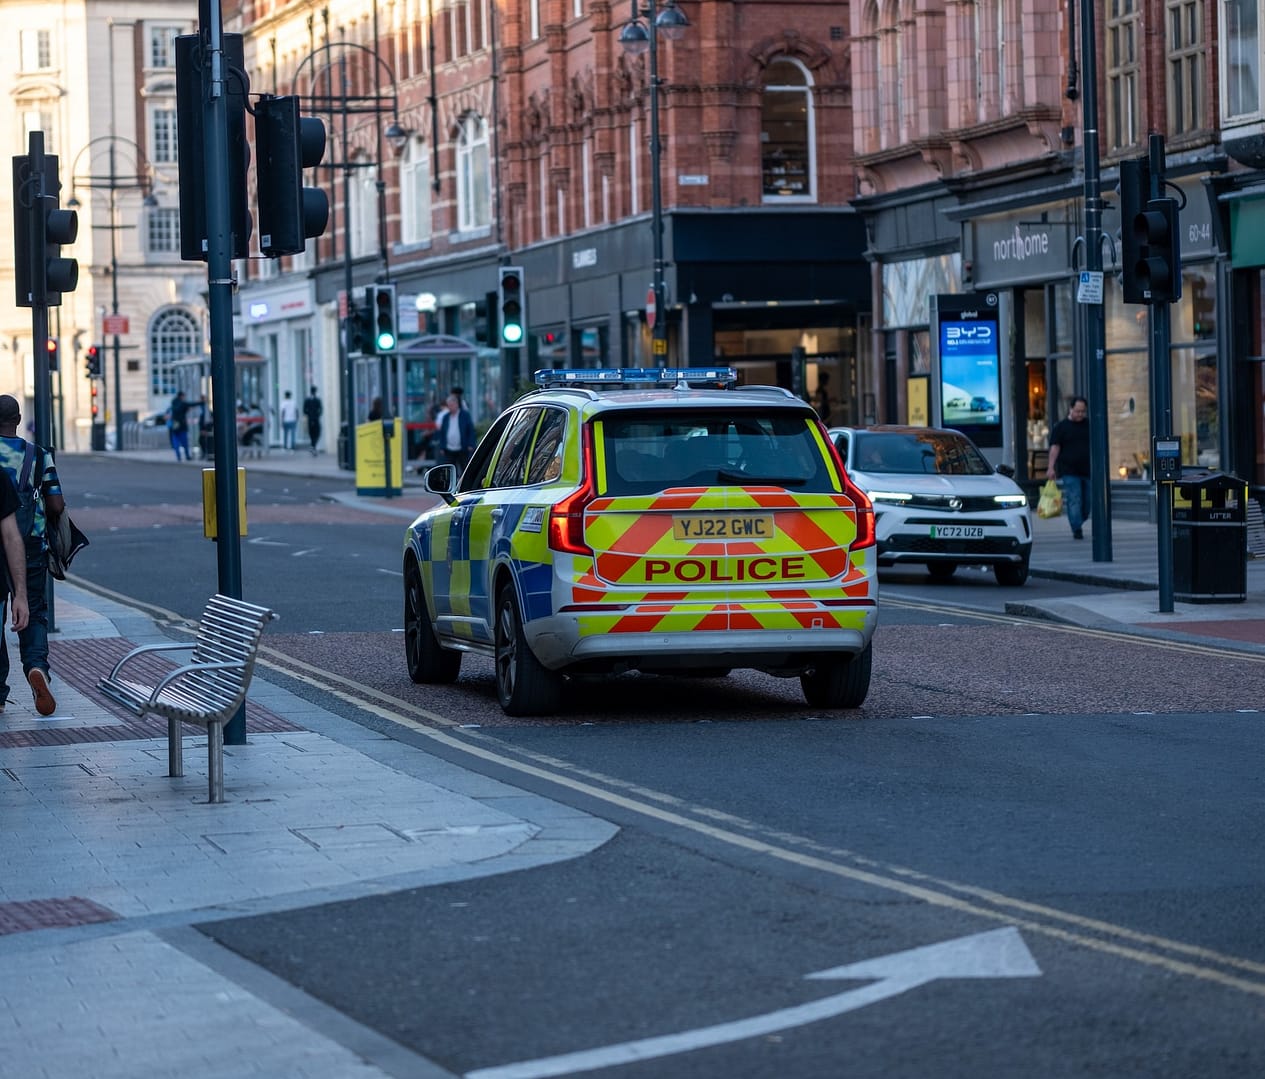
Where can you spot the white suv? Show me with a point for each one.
(938, 501)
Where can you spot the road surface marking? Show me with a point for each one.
(998, 953)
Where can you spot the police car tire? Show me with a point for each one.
(523, 685)
(428, 662)
(839, 682)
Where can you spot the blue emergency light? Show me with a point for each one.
(637, 376)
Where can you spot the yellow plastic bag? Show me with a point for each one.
(1051, 502)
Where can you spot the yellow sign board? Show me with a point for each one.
(916, 394)
(379, 443)
(210, 527)
(659, 347)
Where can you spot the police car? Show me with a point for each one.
(659, 520)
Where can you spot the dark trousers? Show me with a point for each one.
(460, 458)
(32, 641)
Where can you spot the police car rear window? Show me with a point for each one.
(648, 452)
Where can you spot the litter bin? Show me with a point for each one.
(1209, 537)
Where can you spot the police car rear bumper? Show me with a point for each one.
(557, 643)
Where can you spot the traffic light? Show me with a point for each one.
(96, 408)
(190, 153)
(92, 362)
(513, 308)
(1158, 270)
(286, 144)
(40, 227)
(361, 318)
(54, 354)
(1135, 192)
(382, 314)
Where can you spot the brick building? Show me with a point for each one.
(547, 165)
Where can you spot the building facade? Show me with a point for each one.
(99, 80)
(526, 142)
(972, 180)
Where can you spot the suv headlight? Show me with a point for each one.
(898, 498)
(1011, 500)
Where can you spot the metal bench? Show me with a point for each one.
(207, 690)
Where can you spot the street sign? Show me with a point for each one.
(113, 325)
(659, 348)
(1089, 289)
(650, 309)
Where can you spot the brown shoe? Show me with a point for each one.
(45, 704)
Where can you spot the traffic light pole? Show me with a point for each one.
(1095, 328)
(219, 252)
(1162, 398)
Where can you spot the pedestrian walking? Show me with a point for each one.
(1069, 463)
(312, 409)
(32, 475)
(289, 421)
(178, 425)
(455, 434)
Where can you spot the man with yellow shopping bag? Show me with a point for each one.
(1069, 461)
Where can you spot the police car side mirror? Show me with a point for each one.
(1007, 471)
(441, 480)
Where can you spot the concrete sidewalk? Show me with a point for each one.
(105, 863)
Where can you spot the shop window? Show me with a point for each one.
(1122, 73)
(787, 133)
(1185, 66)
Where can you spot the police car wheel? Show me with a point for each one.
(523, 686)
(428, 662)
(839, 681)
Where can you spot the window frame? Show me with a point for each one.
(474, 199)
(168, 217)
(809, 195)
(1227, 36)
(1122, 79)
(1184, 65)
(416, 206)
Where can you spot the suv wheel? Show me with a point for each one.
(428, 662)
(839, 681)
(1011, 574)
(523, 686)
(941, 571)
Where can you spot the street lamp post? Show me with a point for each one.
(637, 37)
(139, 179)
(344, 104)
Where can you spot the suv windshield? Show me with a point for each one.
(650, 451)
(945, 453)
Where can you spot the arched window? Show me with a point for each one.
(474, 187)
(415, 207)
(787, 133)
(174, 334)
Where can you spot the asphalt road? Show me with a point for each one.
(1094, 797)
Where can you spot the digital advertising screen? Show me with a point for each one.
(970, 373)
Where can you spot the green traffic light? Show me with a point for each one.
(512, 333)
(386, 341)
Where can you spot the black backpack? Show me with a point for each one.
(28, 493)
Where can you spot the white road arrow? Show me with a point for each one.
(999, 953)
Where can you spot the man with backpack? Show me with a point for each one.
(34, 476)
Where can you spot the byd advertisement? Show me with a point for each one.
(970, 373)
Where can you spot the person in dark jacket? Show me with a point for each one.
(455, 435)
(312, 409)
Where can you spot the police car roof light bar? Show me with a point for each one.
(637, 376)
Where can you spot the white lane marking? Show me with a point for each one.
(998, 953)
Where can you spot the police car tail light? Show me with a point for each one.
(865, 536)
(566, 518)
